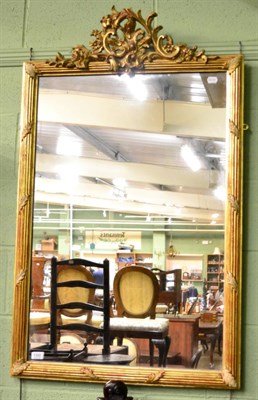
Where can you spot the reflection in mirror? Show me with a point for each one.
(126, 169)
(132, 152)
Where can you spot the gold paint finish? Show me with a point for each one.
(137, 49)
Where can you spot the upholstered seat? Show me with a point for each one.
(144, 324)
(39, 318)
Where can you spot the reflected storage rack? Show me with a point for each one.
(215, 271)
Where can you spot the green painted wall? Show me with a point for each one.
(46, 26)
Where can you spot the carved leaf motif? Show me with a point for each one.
(21, 277)
(231, 280)
(153, 378)
(26, 130)
(229, 379)
(31, 70)
(234, 203)
(234, 129)
(24, 201)
(19, 367)
(126, 47)
(234, 64)
(89, 373)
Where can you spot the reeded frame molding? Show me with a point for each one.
(229, 376)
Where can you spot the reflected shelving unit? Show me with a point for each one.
(134, 258)
(215, 271)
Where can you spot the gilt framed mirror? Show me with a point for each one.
(132, 151)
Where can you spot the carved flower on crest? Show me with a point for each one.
(80, 56)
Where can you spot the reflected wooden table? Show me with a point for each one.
(183, 330)
(212, 331)
(118, 354)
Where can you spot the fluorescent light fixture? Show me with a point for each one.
(68, 174)
(136, 86)
(220, 193)
(148, 218)
(190, 158)
(215, 216)
(119, 182)
(66, 147)
(119, 193)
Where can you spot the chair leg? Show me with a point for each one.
(163, 347)
(151, 347)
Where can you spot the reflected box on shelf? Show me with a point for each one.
(48, 244)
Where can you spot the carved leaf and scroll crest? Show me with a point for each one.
(126, 41)
(155, 377)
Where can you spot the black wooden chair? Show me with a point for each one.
(72, 295)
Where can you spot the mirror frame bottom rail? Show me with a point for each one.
(229, 376)
(145, 376)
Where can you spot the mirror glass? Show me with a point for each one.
(143, 169)
(128, 167)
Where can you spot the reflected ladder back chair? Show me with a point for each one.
(169, 287)
(136, 291)
(196, 358)
(72, 295)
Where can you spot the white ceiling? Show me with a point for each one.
(105, 133)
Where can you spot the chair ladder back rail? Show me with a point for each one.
(173, 294)
(79, 261)
(80, 327)
(82, 284)
(77, 304)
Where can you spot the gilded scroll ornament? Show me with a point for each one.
(125, 42)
